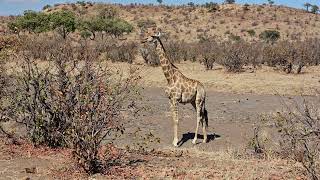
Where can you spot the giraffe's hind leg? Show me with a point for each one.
(197, 106)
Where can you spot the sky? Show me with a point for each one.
(15, 7)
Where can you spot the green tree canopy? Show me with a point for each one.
(93, 25)
(63, 21)
(31, 21)
(230, 1)
(117, 27)
(314, 9)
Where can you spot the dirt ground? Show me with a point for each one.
(235, 107)
(231, 121)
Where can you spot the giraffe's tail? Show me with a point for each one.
(205, 114)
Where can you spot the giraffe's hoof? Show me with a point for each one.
(175, 143)
(205, 141)
(194, 141)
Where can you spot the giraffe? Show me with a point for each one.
(180, 89)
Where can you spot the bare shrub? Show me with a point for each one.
(149, 55)
(71, 102)
(309, 52)
(252, 54)
(9, 42)
(123, 53)
(174, 50)
(3, 75)
(232, 56)
(300, 136)
(210, 52)
(278, 55)
(40, 46)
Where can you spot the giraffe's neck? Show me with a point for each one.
(167, 66)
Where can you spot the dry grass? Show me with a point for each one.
(262, 81)
(182, 164)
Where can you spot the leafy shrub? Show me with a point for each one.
(82, 3)
(108, 12)
(234, 37)
(142, 24)
(246, 7)
(270, 35)
(46, 7)
(251, 32)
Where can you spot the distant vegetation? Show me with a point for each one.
(65, 22)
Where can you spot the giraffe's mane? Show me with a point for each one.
(165, 51)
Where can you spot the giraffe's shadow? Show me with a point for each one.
(189, 136)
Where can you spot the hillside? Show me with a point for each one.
(190, 23)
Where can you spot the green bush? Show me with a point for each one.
(146, 23)
(229, 1)
(251, 32)
(46, 7)
(212, 7)
(82, 3)
(270, 35)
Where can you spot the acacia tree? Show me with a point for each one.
(31, 21)
(270, 2)
(64, 22)
(116, 27)
(230, 1)
(307, 5)
(314, 9)
(93, 25)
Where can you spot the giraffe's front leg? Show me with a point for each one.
(174, 110)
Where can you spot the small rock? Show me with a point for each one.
(31, 170)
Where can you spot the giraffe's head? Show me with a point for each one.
(150, 35)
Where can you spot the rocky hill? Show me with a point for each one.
(223, 21)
